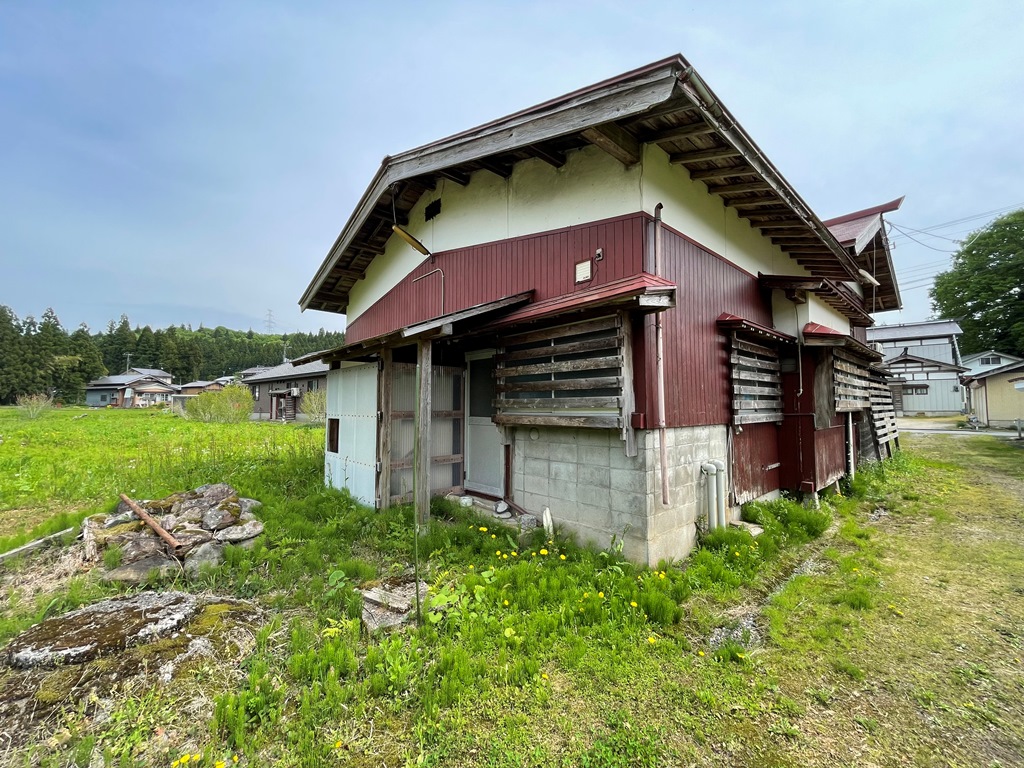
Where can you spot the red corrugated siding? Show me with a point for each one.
(543, 262)
(753, 450)
(696, 356)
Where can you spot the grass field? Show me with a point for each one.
(897, 642)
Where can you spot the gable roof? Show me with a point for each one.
(666, 103)
(928, 329)
(156, 372)
(990, 353)
(288, 372)
(1008, 368)
(863, 233)
(114, 382)
(905, 358)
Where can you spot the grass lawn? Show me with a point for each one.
(897, 642)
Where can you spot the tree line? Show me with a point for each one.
(40, 356)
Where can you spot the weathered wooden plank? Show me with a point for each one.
(553, 420)
(757, 405)
(676, 132)
(421, 468)
(739, 389)
(757, 418)
(749, 186)
(739, 375)
(723, 173)
(562, 366)
(563, 331)
(748, 346)
(452, 458)
(572, 348)
(32, 545)
(768, 365)
(406, 415)
(557, 403)
(601, 382)
(716, 153)
(628, 394)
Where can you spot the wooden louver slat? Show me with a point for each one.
(756, 382)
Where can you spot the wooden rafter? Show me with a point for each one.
(614, 140)
(677, 132)
(502, 170)
(723, 173)
(750, 186)
(458, 177)
(715, 153)
(552, 157)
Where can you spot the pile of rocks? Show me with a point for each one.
(202, 521)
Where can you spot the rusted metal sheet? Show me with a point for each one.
(544, 263)
(697, 383)
(755, 461)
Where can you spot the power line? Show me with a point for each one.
(931, 247)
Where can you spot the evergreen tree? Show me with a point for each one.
(10, 355)
(147, 354)
(119, 344)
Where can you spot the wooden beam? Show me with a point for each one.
(750, 186)
(776, 224)
(614, 140)
(797, 231)
(723, 173)
(715, 153)
(457, 176)
(755, 202)
(674, 107)
(421, 466)
(502, 170)
(808, 249)
(552, 157)
(628, 393)
(386, 378)
(676, 132)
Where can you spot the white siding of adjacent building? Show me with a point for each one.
(352, 399)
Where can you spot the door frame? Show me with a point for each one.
(502, 490)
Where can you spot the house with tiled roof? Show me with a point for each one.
(277, 392)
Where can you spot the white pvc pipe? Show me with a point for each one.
(711, 471)
(720, 493)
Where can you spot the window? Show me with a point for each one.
(332, 435)
(103, 398)
(255, 391)
(993, 360)
(917, 390)
(313, 386)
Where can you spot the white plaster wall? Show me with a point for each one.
(690, 209)
(791, 318)
(538, 197)
(820, 312)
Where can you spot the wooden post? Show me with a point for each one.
(386, 374)
(421, 465)
(628, 392)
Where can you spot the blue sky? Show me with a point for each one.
(192, 162)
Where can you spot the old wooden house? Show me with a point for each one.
(610, 306)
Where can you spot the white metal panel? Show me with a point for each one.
(352, 399)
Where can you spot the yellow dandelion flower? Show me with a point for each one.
(551, 541)
(561, 557)
(652, 640)
(175, 764)
(505, 602)
(661, 575)
(856, 569)
(234, 758)
(515, 554)
(504, 557)
(483, 529)
(700, 653)
(600, 594)
(632, 603)
(337, 744)
(735, 554)
(196, 758)
(219, 764)
(471, 567)
(494, 535)
(498, 553)
(544, 552)
(586, 594)
(184, 759)
(544, 675)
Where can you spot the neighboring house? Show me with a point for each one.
(615, 295)
(277, 392)
(996, 395)
(925, 363)
(981, 362)
(194, 388)
(153, 373)
(129, 390)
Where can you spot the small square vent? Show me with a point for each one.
(583, 270)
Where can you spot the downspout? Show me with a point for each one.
(659, 343)
(720, 493)
(851, 460)
(711, 472)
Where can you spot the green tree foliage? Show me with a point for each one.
(146, 350)
(983, 288)
(11, 359)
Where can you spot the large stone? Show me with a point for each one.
(138, 546)
(106, 627)
(218, 518)
(238, 533)
(141, 571)
(216, 492)
(247, 507)
(192, 538)
(211, 554)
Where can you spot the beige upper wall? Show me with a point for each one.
(592, 185)
(1005, 403)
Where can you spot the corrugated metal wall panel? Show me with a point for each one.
(696, 356)
(352, 399)
(544, 263)
(754, 463)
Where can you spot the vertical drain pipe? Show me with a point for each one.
(720, 493)
(851, 454)
(659, 342)
(711, 472)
